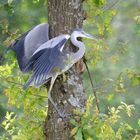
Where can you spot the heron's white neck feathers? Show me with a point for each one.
(80, 53)
(67, 37)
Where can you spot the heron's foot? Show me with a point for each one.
(63, 113)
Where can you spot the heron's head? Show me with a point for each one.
(81, 33)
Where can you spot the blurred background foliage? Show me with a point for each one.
(113, 62)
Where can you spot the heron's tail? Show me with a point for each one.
(28, 83)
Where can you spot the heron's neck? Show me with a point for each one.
(81, 48)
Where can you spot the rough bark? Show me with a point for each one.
(63, 17)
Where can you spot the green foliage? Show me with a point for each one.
(137, 19)
(8, 123)
(17, 131)
(32, 103)
(29, 106)
(97, 15)
(94, 125)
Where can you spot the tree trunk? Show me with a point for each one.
(63, 17)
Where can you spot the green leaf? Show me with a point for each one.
(10, 1)
(78, 136)
(139, 122)
(74, 131)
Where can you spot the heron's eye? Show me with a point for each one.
(79, 38)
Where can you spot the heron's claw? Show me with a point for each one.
(63, 114)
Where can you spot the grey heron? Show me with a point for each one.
(52, 59)
(28, 43)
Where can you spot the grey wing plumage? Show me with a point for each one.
(32, 60)
(18, 47)
(44, 64)
(35, 38)
(36, 62)
(15, 46)
(27, 43)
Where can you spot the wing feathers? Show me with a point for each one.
(28, 83)
(44, 62)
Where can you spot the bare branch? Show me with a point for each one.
(94, 92)
(108, 7)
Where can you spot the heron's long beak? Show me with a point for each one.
(90, 36)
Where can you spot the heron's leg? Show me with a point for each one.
(51, 100)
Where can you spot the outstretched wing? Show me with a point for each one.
(18, 47)
(28, 43)
(46, 46)
(43, 63)
(35, 38)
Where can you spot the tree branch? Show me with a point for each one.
(94, 92)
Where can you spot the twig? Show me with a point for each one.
(94, 92)
(3, 78)
(110, 6)
(36, 95)
(39, 96)
(14, 82)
